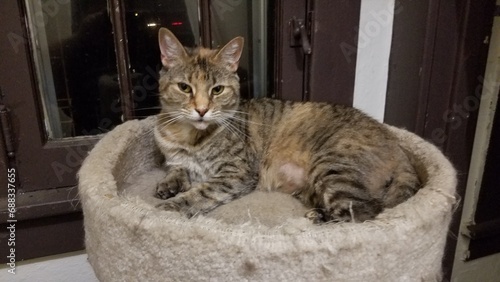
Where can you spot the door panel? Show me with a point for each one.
(4, 164)
(335, 25)
(326, 74)
(291, 61)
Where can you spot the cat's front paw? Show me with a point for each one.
(170, 187)
(176, 181)
(166, 190)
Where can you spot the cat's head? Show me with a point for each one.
(198, 86)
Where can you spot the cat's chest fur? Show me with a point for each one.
(197, 159)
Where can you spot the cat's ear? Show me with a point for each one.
(230, 54)
(172, 51)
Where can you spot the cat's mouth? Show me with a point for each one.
(200, 124)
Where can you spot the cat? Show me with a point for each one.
(340, 163)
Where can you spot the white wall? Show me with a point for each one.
(70, 267)
(372, 63)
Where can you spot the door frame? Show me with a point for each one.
(439, 69)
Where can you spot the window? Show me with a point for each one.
(73, 50)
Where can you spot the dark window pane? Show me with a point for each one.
(75, 63)
(250, 19)
(143, 20)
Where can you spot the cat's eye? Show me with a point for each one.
(184, 87)
(217, 90)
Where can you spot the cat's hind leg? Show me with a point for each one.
(342, 199)
(315, 215)
(402, 186)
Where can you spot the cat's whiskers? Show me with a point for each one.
(185, 111)
(225, 122)
(234, 125)
(231, 129)
(149, 108)
(170, 114)
(236, 112)
(234, 122)
(166, 123)
(235, 128)
(165, 119)
(136, 116)
(243, 120)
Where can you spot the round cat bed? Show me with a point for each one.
(260, 237)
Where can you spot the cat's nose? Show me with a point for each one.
(201, 111)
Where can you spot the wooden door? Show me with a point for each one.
(325, 72)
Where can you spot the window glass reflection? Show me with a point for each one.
(75, 64)
(143, 20)
(250, 19)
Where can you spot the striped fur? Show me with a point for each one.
(339, 162)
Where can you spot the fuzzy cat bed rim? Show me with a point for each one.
(113, 199)
(114, 222)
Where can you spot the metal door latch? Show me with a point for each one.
(298, 35)
(6, 127)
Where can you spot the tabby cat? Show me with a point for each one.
(339, 162)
